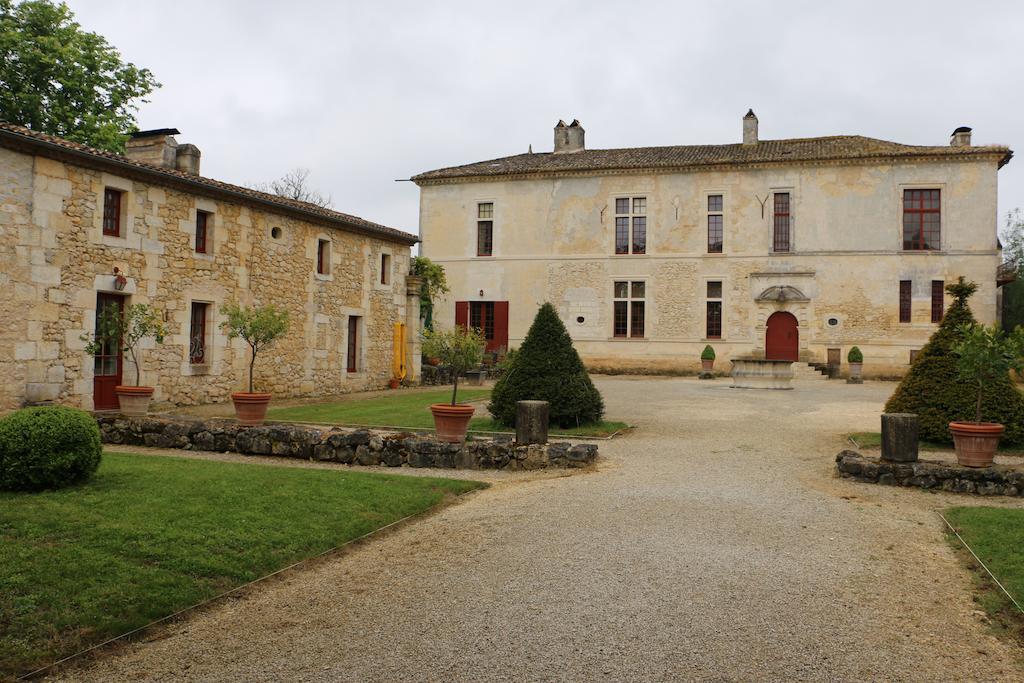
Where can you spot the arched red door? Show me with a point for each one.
(782, 340)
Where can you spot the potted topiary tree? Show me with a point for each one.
(856, 360)
(125, 330)
(984, 355)
(707, 362)
(459, 349)
(259, 326)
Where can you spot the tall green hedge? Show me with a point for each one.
(47, 448)
(934, 391)
(547, 368)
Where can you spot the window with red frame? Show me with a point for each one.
(323, 257)
(938, 300)
(202, 226)
(485, 229)
(905, 299)
(628, 311)
(112, 212)
(782, 219)
(713, 313)
(715, 218)
(197, 333)
(922, 220)
(631, 225)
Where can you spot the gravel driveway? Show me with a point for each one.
(712, 544)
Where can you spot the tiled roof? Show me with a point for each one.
(19, 137)
(695, 157)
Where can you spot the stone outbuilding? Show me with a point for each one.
(81, 229)
(794, 249)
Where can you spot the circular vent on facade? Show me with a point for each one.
(579, 319)
(833, 322)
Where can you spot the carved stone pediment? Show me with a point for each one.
(782, 293)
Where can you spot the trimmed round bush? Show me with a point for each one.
(934, 391)
(855, 356)
(47, 447)
(547, 368)
(708, 353)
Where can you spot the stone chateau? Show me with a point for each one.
(790, 249)
(81, 229)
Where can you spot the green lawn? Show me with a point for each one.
(874, 440)
(412, 409)
(151, 535)
(997, 536)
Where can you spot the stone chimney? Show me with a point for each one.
(159, 148)
(187, 159)
(569, 138)
(961, 137)
(156, 147)
(750, 128)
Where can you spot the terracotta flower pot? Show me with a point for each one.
(451, 422)
(976, 442)
(707, 365)
(394, 383)
(133, 400)
(250, 409)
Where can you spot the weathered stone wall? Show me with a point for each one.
(56, 259)
(351, 447)
(554, 241)
(997, 480)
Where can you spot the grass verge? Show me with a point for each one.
(412, 410)
(874, 440)
(151, 535)
(996, 535)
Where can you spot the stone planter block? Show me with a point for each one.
(476, 377)
(531, 422)
(899, 437)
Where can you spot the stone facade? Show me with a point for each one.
(554, 239)
(346, 446)
(260, 249)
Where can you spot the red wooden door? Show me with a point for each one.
(500, 341)
(782, 339)
(108, 363)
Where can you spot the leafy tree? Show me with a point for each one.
(434, 285)
(294, 185)
(258, 326)
(56, 78)
(1012, 238)
(137, 322)
(460, 349)
(935, 391)
(987, 354)
(547, 368)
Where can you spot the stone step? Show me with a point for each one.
(806, 371)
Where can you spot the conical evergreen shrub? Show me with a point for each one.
(547, 368)
(934, 391)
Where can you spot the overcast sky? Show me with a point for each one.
(364, 93)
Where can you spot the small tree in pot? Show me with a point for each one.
(984, 355)
(856, 360)
(259, 326)
(460, 350)
(707, 362)
(124, 331)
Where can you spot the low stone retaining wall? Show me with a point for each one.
(352, 447)
(997, 480)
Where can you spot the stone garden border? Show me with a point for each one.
(347, 446)
(998, 480)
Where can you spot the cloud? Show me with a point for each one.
(364, 93)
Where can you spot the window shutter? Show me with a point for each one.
(462, 313)
(500, 324)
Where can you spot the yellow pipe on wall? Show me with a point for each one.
(398, 363)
